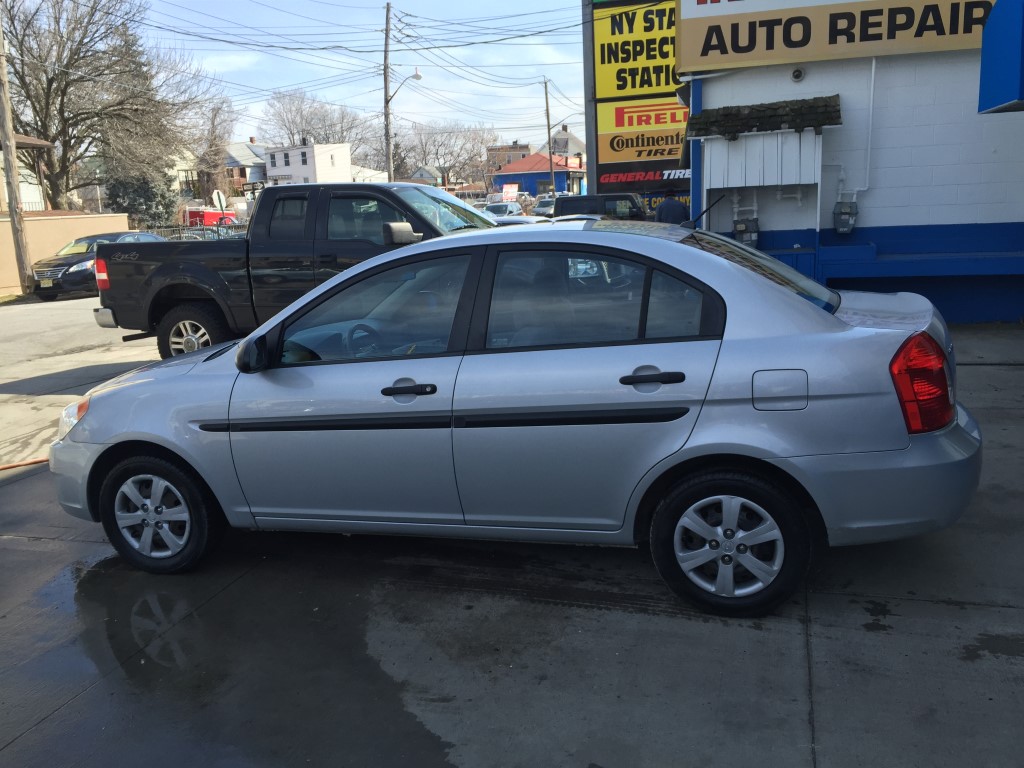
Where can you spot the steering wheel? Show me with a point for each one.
(368, 339)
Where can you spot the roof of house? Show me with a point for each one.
(793, 115)
(536, 163)
(244, 154)
(29, 142)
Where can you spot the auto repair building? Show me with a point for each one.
(869, 143)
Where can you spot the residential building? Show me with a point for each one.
(566, 144)
(245, 162)
(309, 162)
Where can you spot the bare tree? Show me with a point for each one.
(82, 80)
(295, 114)
(211, 151)
(460, 151)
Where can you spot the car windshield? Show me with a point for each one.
(444, 211)
(82, 245)
(768, 267)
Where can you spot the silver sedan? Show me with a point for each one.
(601, 382)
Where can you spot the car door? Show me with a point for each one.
(352, 421)
(281, 251)
(350, 229)
(585, 369)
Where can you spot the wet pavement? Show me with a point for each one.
(320, 650)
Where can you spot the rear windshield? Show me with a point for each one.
(768, 267)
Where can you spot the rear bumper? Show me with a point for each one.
(871, 497)
(104, 317)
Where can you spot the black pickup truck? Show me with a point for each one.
(194, 294)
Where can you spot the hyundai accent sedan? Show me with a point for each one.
(597, 382)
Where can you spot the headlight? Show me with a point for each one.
(70, 416)
(83, 265)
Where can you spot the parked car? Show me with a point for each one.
(598, 382)
(544, 207)
(617, 205)
(505, 209)
(72, 269)
(504, 221)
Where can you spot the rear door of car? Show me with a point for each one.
(281, 250)
(585, 369)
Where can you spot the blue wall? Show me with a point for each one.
(972, 272)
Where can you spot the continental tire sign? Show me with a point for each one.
(724, 34)
(641, 131)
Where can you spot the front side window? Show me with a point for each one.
(404, 311)
(360, 218)
(551, 298)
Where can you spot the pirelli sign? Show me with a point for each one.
(724, 34)
(641, 131)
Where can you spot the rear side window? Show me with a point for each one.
(548, 298)
(288, 219)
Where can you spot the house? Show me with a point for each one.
(566, 144)
(29, 188)
(500, 155)
(307, 162)
(533, 174)
(245, 162)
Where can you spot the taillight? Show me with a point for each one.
(923, 383)
(102, 280)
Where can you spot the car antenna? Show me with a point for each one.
(692, 223)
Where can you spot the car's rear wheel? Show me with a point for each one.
(731, 542)
(158, 516)
(189, 327)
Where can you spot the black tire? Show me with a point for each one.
(168, 534)
(716, 577)
(47, 296)
(191, 326)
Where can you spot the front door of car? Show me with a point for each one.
(353, 419)
(350, 229)
(588, 369)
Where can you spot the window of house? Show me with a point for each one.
(286, 160)
(302, 158)
(273, 160)
(332, 161)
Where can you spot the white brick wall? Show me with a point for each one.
(934, 159)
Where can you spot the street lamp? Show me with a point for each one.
(389, 149)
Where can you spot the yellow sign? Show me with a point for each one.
(641, 131)
(635, 50)
(714, 34)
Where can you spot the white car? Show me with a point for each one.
(598, 382)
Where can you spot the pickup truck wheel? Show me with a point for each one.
(189, 327)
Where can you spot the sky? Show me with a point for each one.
(481, 63)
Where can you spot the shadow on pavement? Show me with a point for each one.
(74, 381)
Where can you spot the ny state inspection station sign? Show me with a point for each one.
(724, 34)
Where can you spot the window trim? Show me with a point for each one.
(713, 310)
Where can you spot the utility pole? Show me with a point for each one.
(551, 143)
(11, 173)
(389, 150)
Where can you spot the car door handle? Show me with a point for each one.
(662, 377)
(411, 389)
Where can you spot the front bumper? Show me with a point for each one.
(871, 497)
(70, 463)
(83, 281)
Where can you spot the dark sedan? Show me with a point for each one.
(71, 271)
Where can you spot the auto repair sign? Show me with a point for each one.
(724, 34)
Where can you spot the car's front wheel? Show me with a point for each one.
(731, 542)
(189, 327)
(158, 516)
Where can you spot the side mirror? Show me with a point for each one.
(251, 355)
(400, 233)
